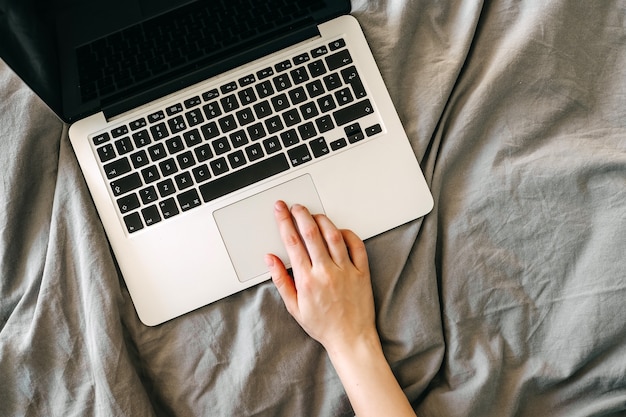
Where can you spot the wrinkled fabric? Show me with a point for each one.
(506, 300)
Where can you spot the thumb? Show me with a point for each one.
(283, 282)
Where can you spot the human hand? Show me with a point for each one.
(330, 294)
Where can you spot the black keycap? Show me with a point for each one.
(373, 130)
(245, 116)
(210, 95)
(124, 145)
(338, 144)
(332, 81)
(212, 110)
(338, 60)
(119, 131)
(297, 95)
(236, 159)
(262, 109)
(229, 103)
(185, 160)
(351, 76)
(299, 155)
(210, 130)
(173, 109)
(126, 184)
(155, 117)
(159, 131)
(256, 131)
(307, 130)
(201, 173)
(319, 147)
(128, 203)
(353, 112)
(106, 152)
(265, 89)
(157, 152)
(244, 177)
(141, 138)
(168, 208)
(317, 52)
(117, 168)
(339, 43)
(151, 215)
(168, 167)
(183, 180)
(192, 102)
(203, 152)
(148, 195)
(174, 145)
(324, 124)
(194, 117)
(100, 139)
(150, 174)
(317, 68)
(188, 199)
(177, 124)
(272, 145)
(166, 187)
(133, 222)
(228, 123)
(254, 152)
(138, 124)
(344, 96)
(219, 166)
(192, 138)
(289, 138)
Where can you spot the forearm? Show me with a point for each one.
(368, 380)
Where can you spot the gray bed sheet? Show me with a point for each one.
(508, 299)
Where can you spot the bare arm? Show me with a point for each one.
(331, 297)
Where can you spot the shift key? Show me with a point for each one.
(353, 112)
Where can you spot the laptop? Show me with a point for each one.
(189, 119)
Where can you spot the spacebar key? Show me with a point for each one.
(244, 177)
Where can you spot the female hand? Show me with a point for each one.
(330, 294)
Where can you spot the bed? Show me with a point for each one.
(508, 299)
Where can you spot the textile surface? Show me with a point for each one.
(506, 300)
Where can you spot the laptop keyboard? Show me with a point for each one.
(242, 132)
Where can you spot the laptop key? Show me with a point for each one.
(168, 208)
(126, 184)
(188, 199)
(299, 155)
(353, 112)
(117, 168)
(338, 59)
(244, 177)
(133, 222)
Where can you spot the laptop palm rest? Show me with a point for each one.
(249, 230)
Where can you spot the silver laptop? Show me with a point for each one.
(190, 119)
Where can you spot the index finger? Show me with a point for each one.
(298, 255)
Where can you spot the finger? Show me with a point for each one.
(297, 252)
(311, 234)
(334, 240)
(356, 250)
(283, 282)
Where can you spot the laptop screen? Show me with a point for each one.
(82, 57)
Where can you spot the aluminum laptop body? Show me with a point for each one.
(171, 159)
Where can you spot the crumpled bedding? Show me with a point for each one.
(506, 300)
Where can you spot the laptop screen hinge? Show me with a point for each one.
(210, 66)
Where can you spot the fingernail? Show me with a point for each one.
(269, 261)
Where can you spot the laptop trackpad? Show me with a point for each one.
(249, 230)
